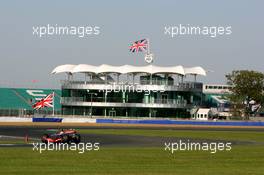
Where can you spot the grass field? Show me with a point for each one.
(242, 159)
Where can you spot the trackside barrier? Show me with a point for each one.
(14, 119)
(78, 120)
(182, 122)
(133, 121)
(46, 119)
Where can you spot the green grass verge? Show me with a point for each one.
(11, 142)
(241, 160)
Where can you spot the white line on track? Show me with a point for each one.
(52, 130)
(17, 137)
(7, 144)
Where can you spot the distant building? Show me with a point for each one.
(131, 91)
(216, 96)
(202, 114)
(216, 89)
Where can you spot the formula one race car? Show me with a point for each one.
(62, 136)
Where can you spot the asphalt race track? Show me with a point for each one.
(106, 140)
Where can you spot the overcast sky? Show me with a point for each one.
(26, 57)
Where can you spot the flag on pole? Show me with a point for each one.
(139, 46)
(48, 101)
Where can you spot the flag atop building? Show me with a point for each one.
(139, 46)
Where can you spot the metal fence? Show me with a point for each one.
(27, 113)
(184, 85)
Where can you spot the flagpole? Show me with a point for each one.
(53, 101)
(148, 46)
(149, 55)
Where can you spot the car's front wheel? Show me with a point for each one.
(65, 139)
(77, 138)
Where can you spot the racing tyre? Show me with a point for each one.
(77, 138)
(65, 139)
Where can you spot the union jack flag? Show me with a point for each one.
(44, 102)
(139, 46)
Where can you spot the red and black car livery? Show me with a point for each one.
(62, 136)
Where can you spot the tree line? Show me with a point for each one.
(247, 89)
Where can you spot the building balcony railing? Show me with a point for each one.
(156, 103)
(156, 85)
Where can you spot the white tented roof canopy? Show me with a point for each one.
(195, 71)
(125, 69)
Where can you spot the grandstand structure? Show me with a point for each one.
(170, 96)
(131, 91)
(18, 101)
(216, 96)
